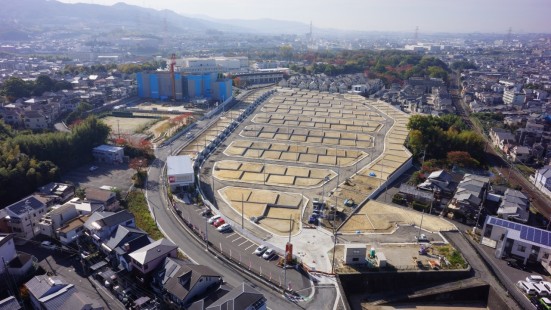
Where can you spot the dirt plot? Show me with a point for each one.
(380, 217)
(128, 125)
(283, 206)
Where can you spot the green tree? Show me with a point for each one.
(15, 87)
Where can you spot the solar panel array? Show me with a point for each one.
(528, 233)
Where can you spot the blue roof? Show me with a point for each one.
(20, 207)
(527, 233)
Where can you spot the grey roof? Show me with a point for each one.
(152, 251)
(109, 219)
(9, 303)
(68, 298)
(241, 297)
(41, 286)
(123, 235)
(183, 277)
(545, 171)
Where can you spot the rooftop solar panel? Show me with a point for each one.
(523, 232)
(530, 234)
(537, 236)
(545, 238)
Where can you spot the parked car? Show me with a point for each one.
(313, 219)
(206, 213)
(526, 287)
(224, 227)
(515, 263)
(260, 250)
(541, 289)
(219, 222)
(48, 245)
(534, 278)
(93, 168)
(268, 254)
(545, 303)
(214, 218)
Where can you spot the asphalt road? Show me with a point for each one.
(173, 229)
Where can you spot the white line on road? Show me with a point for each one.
(231, 235)
(243, 242)
(236, 239)
(252, 245)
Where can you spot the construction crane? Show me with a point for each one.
(172, 77)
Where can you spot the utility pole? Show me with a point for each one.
(334, 237)
(285, 258)
(421, 225)
(242, 214)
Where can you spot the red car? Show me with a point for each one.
(219, 222)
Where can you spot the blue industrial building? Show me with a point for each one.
(158, 85)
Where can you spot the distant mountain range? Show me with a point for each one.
(20, 19)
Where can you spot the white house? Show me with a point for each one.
(56, 218)
(72, 229)
(542, 180)
(25, 214)
(517, 240)
(17, 264)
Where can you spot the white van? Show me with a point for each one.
(541, 290)
(534, 278)
(526, 288)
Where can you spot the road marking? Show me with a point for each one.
(231, 235)
(237, 239)
(243, 242)
(252, 245)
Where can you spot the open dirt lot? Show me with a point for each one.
(378, 217)
(127, 125)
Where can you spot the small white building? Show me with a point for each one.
(518, 240)
(108, 154)
(354, 254)
(179, 171)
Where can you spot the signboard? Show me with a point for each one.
(489, 242)
(171, 179)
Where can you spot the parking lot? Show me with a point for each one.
(112, 175)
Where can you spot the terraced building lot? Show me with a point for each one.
(278, 211)
(270, 174)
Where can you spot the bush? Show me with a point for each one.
(419, 206)
(137, 205)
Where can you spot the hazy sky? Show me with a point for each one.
(380, 15)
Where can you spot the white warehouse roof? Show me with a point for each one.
(108, 148)
(177, 165)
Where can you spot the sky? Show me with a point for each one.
(493, 16)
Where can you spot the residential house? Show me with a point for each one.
(123, 242)
(105, 197)
(182, 283)
(149, 257)
(56, 218)
(10, 303)
(17, 264)
(25, 214)
(101, 225)
(514, 206)
(510, 239)
(470, 194)
(35, 120)
(439, 181)
(501, 138)
(72, 229)
(520, 154)
(60, 191)
(55, 293)
(86, 207)
(241, 297)
(542, 180)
